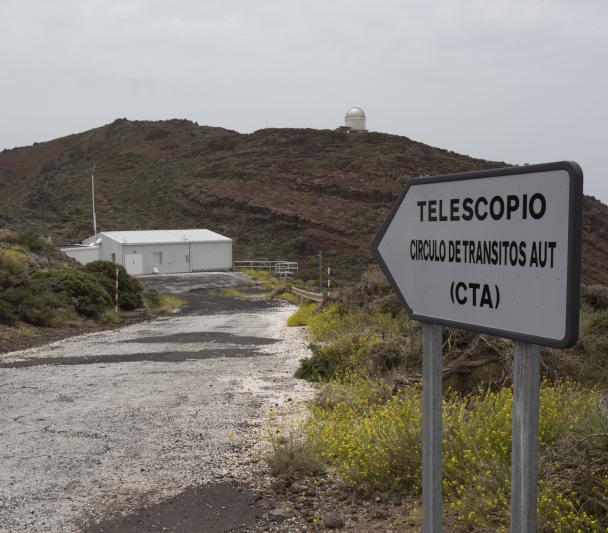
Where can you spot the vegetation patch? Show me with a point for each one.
(364, 425)
(168, 302)
(371, 440)
(130, 289)
(42, 287)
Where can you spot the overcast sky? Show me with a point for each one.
(513, 80)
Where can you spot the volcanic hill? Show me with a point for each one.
(280, 193)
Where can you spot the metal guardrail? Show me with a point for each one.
(281, 269)
(315, 296)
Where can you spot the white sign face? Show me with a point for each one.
(494, 251)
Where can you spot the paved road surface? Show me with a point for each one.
(125, 420)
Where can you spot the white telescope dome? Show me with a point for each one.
(355, 119)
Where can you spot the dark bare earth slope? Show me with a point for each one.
(281, 193)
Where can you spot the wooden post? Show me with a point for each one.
(431, 427)
(116, 293)
(328, 281)
(524, 458)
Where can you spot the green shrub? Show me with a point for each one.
(35, 305)
(13, 267)
(79, 289)
(151, 299)
(302, 315)
(130, 290)
(348, 338)
(7, 313)
(168, 302)
(29, 240)
(598, 323)
(323, 365)
(595, 295)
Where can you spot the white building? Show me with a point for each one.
(157, 251)
(355, 119)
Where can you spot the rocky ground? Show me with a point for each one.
(160, 426)
(100, 426)
(322, 504)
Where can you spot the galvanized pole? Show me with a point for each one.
(431, 427)
(93, 199)
(524, 454)
(321, 271)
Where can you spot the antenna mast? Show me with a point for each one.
(93, 199)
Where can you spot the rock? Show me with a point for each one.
(396, 500)
(333, 521)
(280, 485)
(276, 515)
(380, 514)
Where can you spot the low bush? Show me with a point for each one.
(302, 315)
(34, 304)
(598, 323)
(324, 364)
(292, 455)
(77, 288)
(7, 313)
(595, 295)
(374, 445)
(13, 267)
(348, 338)
(130, 290)
(151, 299)
(169, 302)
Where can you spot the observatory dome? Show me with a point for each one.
(355, 119)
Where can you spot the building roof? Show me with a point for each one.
(355, 112)
(161, 236)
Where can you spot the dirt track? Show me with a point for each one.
(111, 422)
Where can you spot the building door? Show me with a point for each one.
(134, 264)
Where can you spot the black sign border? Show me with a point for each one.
(573, 288)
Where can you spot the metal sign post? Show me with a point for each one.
(524, 448)
(431, 427)
(496, 252)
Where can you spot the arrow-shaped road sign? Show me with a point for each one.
(494, 251)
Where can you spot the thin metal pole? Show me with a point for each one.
(524, 454)
(431, 427)
(93, 199)
(320, 271)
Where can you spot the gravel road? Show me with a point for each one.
(116, 421)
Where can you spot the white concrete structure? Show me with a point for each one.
(162, 251)
(355, 119)
(82, 253)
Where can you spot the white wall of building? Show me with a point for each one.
(166, 258)
(211, 256)
(82, 254)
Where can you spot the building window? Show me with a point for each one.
(113, 257)
(157, 258)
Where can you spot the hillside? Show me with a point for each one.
(280, 193)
